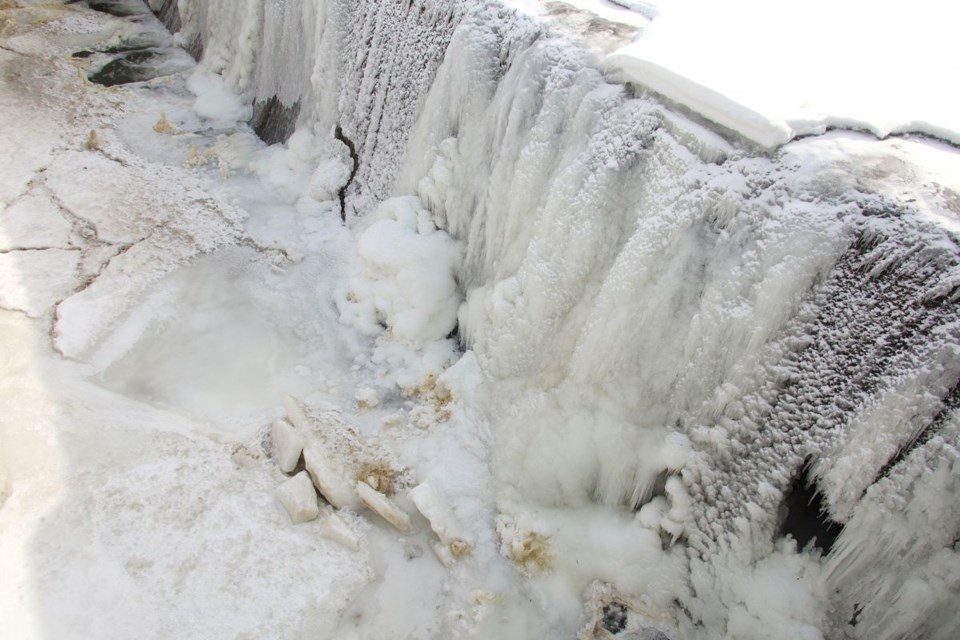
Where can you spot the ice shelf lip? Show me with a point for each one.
(767, 130)
(773, 73)
(709, 103)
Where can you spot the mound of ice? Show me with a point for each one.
(410, 266)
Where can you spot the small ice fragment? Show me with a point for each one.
(382, 506)
(436, 510)
(287, 445)
(334, 528)
(334, 487)
(299, 498)
(367, 398)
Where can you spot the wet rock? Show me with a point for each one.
(129, 68)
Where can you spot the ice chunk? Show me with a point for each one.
(442, 519)
(335, 529)
(287, 445)
(299, 498)
(328, 476)
(383, 507)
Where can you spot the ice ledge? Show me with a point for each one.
(714, 106)
(774, 73)
(764, 129)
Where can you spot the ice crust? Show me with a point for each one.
(752, 67)
(660, 326)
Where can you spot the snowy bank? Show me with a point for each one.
(773, 72)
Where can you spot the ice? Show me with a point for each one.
(329, 476)
(410, 268)
(606, 333)
(383, 507)
(215, 102)
(851, 78)
(35, 281)
(299, 498)
(34, 222)
(442, 518)
(288, 445)
(335, 529)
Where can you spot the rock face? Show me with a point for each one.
(299, 498)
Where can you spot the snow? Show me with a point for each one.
(215, 102)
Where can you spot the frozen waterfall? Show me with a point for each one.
(655, 331)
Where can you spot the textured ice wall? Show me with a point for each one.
(362, 66)
(664, 318)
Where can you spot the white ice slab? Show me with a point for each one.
(299, 498)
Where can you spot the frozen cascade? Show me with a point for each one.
(665, 319)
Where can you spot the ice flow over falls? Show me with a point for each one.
(666, 321)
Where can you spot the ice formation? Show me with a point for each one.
(612, 335)
(666, 321)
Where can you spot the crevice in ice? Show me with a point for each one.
(806, 518)
(273, 121)
(342, 194)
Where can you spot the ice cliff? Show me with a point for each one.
(668, 321)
